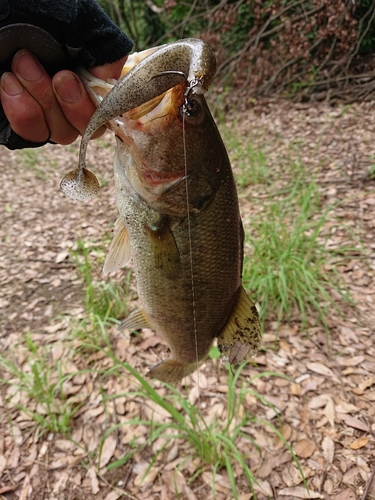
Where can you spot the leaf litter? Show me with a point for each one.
(326, 407)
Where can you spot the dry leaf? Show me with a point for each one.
(353, 422)
(60, 257)
(61, 462)
(352, 361)
(150, 342)
(172, 454)
(266, 468)
(344, 407)
(94, 480)
(291, 475)
(329, 412)
(359, 443)
(350, 476)
(60, 484)
(304, 448)
(142, 480)
(321, 369)
(190, 495)
(64, 444)
(113, 495)
(13, 459)
(347, 494)
(318, 401)
(328, 447)
(263, 487)
(25, 488)
(363, 464)
(55, 328)
(366, 384)
(175, 481)
(300, 492)
(3, 464)
(108, 450)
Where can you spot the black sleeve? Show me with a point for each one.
(62, 34)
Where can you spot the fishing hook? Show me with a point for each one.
(169, 72)
(197, 82)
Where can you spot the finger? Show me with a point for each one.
(79, 113)
(24, 114)
(37, 82)
(107, 71)
(74, 100)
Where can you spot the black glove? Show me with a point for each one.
(61, 34)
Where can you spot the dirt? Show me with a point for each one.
(326, 405)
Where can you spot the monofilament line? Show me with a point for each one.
(190, 241)
(191, 257)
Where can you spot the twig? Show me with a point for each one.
(369, 482)
(154, 7)
(114, 488)
(236, 58)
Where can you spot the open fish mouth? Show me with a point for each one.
(153, 118)
(147, 76)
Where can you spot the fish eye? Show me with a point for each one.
(191, 110)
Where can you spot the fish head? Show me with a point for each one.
(170, 152)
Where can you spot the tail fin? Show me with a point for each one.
(171, 371)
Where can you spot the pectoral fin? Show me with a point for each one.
(119, 249)
(164, 250)
(241, 335)
(135, 321)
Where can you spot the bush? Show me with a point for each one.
(263, 47)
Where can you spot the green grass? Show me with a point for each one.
(289, 268)
(216, 443)
(42, 382)
(250, 163)
(35, 159)
(107, 300)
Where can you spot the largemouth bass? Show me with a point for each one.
(179, 216)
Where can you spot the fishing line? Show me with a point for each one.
(191, 260)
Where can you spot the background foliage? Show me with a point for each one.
(304, 48)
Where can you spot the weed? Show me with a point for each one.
(105, 300)
(41, 382)
(216, 442)
(250, 163)
(287, 269)
(32, 158)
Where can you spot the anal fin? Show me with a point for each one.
(119, 250)
(172, 371)
(240, 337)
(135, 321)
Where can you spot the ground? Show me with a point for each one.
(325, 405)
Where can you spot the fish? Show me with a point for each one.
(179, 220)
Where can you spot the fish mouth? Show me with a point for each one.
(154, 119)
(161, 109)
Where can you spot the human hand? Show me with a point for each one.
(39, 107)
(41, 99)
